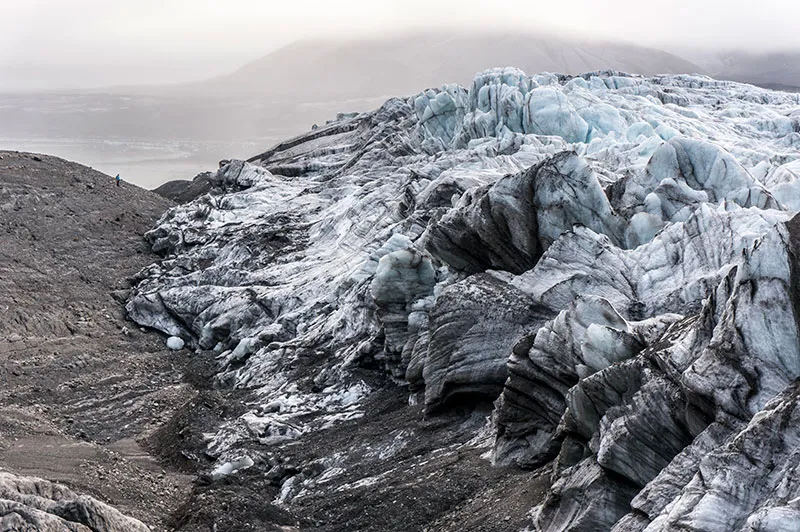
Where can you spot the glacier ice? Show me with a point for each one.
(613, 258)
(29, 503)
(548, 111)
(175, 343)
(231, 468)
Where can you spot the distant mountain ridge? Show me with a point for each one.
(780, 70)
(321, 70)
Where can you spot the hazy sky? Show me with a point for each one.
(86, 43)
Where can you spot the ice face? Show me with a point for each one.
(440, 114)
(784, 184)
(602, 119)
(609, 254)
(495, 105)
(547, 111)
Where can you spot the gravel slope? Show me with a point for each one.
(81, 385)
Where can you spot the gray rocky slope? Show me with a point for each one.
(80, 384)
(611, 261)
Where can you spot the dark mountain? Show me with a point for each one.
(325, 70)
(778, 70)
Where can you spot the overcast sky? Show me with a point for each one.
(89, 43)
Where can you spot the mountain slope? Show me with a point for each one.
(324, 70)
(779, 69)
(80, 383)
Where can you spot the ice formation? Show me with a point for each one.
(175, 343)
(613, 258)
(28, 503)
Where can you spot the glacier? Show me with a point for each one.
(611, 260)
(30, 503)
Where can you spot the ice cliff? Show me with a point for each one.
(611, 259)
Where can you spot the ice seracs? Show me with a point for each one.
(614, 259)
(28, 503)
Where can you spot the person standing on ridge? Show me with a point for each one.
(118, 179)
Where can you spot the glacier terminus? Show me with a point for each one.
(607, 264)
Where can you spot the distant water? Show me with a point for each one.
(147, 164)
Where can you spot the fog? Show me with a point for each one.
(52, 44)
